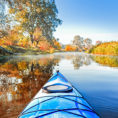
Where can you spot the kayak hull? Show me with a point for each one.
(58, 104)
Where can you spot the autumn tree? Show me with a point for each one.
(56, 43)
(38, 35)
(4, 26)
(32, 14)
(78, 41)
(88, 43)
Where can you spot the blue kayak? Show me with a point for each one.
(58, 99)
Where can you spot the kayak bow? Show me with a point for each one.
(58, 99)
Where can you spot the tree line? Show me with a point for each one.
(105, 48)
(79, 44)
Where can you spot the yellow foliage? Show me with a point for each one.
(11, 11)
(37, 34)
(51, 50)
(17, 28)
(38, 10)
(20, 16)
(107, 48)
(106, 60)
(22, 65)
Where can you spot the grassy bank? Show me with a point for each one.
(107, 48)
(5, 52)
(16, 50)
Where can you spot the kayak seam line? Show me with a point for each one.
(78, 107)
(62, 77)
(85, 99)
(43, 101)
(77, 102)
(57, 96)
(37, 104)
(57, 110)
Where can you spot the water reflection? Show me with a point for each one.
(110, 61)
(22, 77)
(81, 60)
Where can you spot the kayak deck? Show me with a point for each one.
(58, 104)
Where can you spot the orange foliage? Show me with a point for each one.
(44, 45)
(70, 48)
(57, 44)
(37, 34)
(22, 65)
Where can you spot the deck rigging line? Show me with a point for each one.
(58, 110)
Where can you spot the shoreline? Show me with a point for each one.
(19, 51)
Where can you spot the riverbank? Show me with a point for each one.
(5, 52)
(16, 50)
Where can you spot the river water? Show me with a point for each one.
(96, 77)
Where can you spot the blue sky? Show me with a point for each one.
(95, 19)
